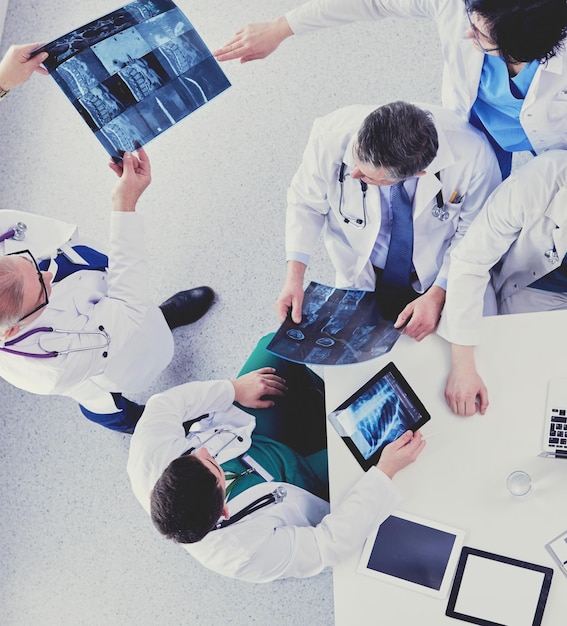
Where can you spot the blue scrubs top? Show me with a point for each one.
(496, 110)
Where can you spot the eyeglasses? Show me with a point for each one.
(476, 34)
(26, 254)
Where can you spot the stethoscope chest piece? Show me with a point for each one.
(440, 213)
(552, 256)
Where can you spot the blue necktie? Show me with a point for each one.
(397, 269)
(96, 261)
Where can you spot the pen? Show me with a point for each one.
(453, 196)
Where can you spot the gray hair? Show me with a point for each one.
(11, 294)
(399, 137)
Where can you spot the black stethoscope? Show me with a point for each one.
(270, 498)
(277, 495)
(49, 354)
(357, 222)
(439, 211)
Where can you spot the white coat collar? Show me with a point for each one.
(554, 65)
(43, 236)
(429, 185)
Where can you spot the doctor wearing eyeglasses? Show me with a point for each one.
(355, 160)
(73, 322)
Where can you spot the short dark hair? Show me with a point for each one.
(399, 137)
(524, 30)
(186, 501)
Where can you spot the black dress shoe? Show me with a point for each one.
(187, 306)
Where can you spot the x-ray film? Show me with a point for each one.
(135, 72)
(379, 412)
(338, 327)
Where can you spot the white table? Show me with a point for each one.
(460, 478)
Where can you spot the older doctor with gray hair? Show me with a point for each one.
(78, 323)
(392, 189)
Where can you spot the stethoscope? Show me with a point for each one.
(216, 433)
(551, 255)
(277, 495)
(355, 221)
(17, 232)
(270, 498)
(439, 211)
(48, 354)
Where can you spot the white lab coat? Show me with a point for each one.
(296, 537)
(521, 221)
(544, 111)
(467, 167)
(141, 344)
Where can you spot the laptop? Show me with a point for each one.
(555, 423)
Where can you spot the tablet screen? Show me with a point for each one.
(492, 590)
(379, 412)
(413, 552)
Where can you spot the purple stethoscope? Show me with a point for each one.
(18, 233)
(49, 354)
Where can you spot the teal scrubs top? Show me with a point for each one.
(284, 464)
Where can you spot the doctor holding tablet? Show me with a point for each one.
(233, 490)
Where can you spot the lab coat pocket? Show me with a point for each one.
(557, 109)
(445, 217)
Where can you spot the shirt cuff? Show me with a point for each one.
(298, 256)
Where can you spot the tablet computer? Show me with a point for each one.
(413, 552)
(379, 412)
(492, 590)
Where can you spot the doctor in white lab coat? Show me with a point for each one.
(447, 195)
(531, 37)
(519, 241)
(294, 537)
(115, 340)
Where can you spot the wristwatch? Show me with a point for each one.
(3, 93)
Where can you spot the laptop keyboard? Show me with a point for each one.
(558, 429)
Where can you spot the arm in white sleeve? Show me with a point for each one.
(487, 240)
(160, 436)
(301, 551)
(317, 14)
(307, 202)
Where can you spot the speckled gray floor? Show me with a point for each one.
(75, 546)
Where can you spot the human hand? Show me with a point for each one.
(134, 176)
(290, 298)
(401, 452)
(16, 66)
(465, 391)
(423, 314)
(255, 41)
(291, 295)
(251, 389)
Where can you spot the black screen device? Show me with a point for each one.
(379, 412)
